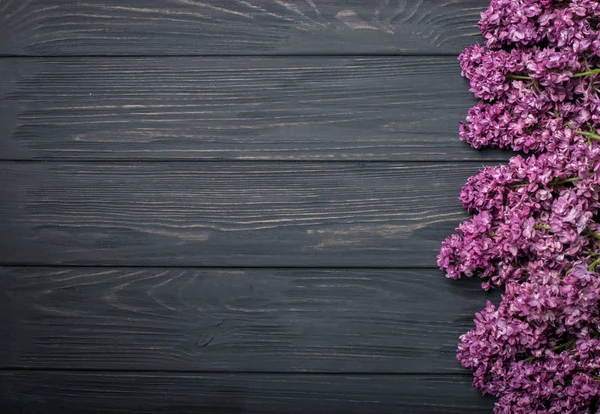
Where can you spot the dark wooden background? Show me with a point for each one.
(233, 206)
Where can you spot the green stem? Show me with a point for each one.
(589, 72)
(556, 348)
(565, 345)
(568, 180)
(593, 265)
(588, 134)
(588, 232)
(552, 183)
(576, 75)
(519, 77)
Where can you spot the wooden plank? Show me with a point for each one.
(234, 320)
(312, 108)
(228, 214)
(171, 27)
(78, 392)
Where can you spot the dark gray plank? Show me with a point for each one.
(234, 320)
(228, 214)
(311, 108)
(76, 392)
(168, 27)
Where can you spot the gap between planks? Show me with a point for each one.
(208, 267)
(241, 55)
(502, 157)
(466, 374)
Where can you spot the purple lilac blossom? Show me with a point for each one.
(539, 349)
(534, 228)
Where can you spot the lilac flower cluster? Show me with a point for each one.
(534, 229)
(539, 349)
(534, 210)
(569, 25)
(537, 74)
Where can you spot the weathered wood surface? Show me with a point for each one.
(168, 27)
(229, 214)
(311, 108)
(117, 392)
(194, 136)
(234, 320)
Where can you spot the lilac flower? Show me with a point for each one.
(534, 228)
(536, 208)
(534, 350)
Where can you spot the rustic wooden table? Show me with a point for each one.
(233, 206)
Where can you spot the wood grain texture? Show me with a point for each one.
(76, 392)
(168, 27)
(309, 108)
(234, 320)
(229, 214)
